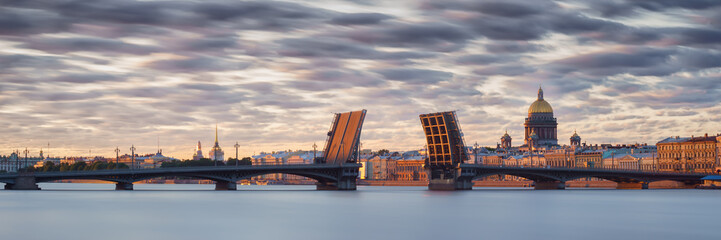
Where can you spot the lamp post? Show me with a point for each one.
(236, 153)
(475, 153)
(26, 159)
(117, 157)
(132, 157)
(315, 152)
(17, 160)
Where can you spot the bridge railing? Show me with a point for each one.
(653, 169)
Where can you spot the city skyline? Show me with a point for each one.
(120, 73)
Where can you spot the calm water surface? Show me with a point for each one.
(95, 211)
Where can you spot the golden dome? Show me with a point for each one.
(540, 106)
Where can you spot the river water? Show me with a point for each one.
(95, 211)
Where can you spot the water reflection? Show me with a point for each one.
(96, 211)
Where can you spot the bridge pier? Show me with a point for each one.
(632, 185)
(690, 185)
(344, 184)
(23, 183)
(124, 186)
(550, 185)
(226, 185)
(450, 184)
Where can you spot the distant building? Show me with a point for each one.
(637, 161)
(411, 170)
(541, 122)
(198, 153)
(561, 158)
(216, 153)
(589, 159)
(9, 163)
(506, 141)
(689, 154)
(575, 139)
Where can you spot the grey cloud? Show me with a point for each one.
(436, 36)
(480, 59)
(627, 7)
(28, 21)
(507, 9)
(334, 79)
(414, 75)
(681, 113)
(194, 64)
(360, 19)
(264, 15)
(85, 78)
(639, 61)
(512, 47)
(30, 62)
(203, 86)
(505, 70)
(693, 36)
(63, 96)
(208, 43)
(64, 45)
(337, 48)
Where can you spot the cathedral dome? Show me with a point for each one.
(540, 105)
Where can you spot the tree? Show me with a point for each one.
(78, 166)
(48, 167)
(383, 152)
(246, 161)
(64, 167)
(231, 161)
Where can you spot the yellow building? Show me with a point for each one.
(589, 159)
(690, 154)
(560, 158)
(411, 170)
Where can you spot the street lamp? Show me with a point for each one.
(117, 157)
(132, 157)
(236, 153)
(26, 159)
(475, 152)
(315, 152)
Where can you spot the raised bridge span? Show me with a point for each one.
(336, 170)
(447, 152)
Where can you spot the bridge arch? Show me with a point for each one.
(536, 177)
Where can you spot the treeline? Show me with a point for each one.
(78, 166)
(206, 162)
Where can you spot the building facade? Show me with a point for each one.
(411, 170)
(689, 154)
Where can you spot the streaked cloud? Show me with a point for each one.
(100, 74)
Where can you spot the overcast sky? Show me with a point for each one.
(92, 75)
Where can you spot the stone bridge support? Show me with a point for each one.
(23, 183)
(450, 184)
(632, 185)
(343, 184)
(691, 185)
(123, 186)
(549, 185)
(226, 185)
